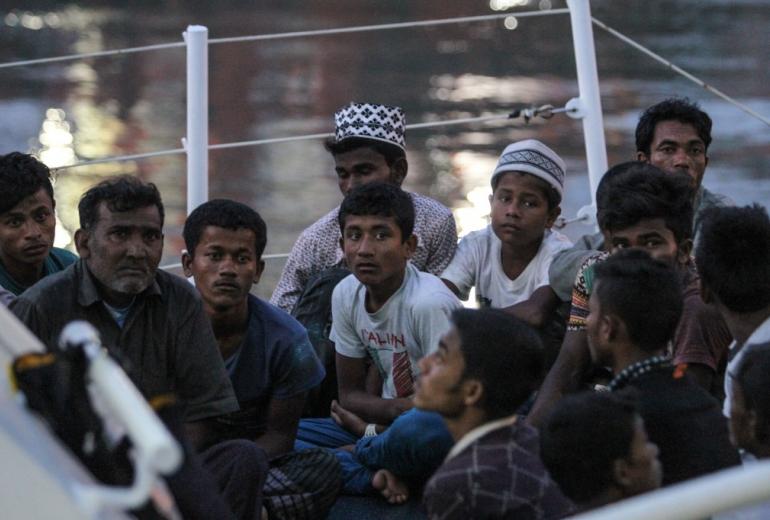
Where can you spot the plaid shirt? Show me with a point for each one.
(318, 248)
(498, 475)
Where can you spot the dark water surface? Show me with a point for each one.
(136, 103)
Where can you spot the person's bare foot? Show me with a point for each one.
(348, 420)
(390, 487)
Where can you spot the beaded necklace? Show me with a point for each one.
(635, 370)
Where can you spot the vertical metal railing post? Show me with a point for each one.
(197, 140)
(588, 105)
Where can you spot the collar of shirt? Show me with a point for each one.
(760, 335)
(477, 433)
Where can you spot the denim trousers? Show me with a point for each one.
(412, 448)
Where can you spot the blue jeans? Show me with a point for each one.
(413, 447)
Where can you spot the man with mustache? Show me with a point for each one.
(155, 322)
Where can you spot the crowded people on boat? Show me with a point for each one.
(386, 314)
(507, 262)
(267, 354)
(368, 146)
(681, 417)
(485, 368)
(595, 446)
(734, 262)
(647, 209)
(27, 224)
(156, 323)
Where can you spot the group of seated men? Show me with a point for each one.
(462, 409)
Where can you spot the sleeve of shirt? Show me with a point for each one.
(343, 332)
(295, 367)
(580, 295)
(443, 246)
(295, 274)
(202, 382)
(444, 499)
(431, 318)
(6, 296)
(564, 269)
(462, 269)
(702, 336)
(28, 313)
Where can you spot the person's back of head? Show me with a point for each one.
(733, 256)
(22, 175)
(643, 191)
(119, 194)
(672, 109)
(382, 200)
(504, 354)
(587, 444)
(227, 214)
(644, 294)
(750, 406)
(607, 181)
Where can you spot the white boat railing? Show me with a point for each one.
(695, 499)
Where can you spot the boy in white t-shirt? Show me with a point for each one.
(391, 314)
(507, 262)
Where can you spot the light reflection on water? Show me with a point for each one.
(135, 103)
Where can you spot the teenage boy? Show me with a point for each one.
(734, 262)
(392, 314)
(368, 146)
(680, 416)
(507, 262)
(27, 224)
(267, 354)
(650, 210)
(484, 369)
(596, 448)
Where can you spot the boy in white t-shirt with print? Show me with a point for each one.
(391, 314)
(507, 262)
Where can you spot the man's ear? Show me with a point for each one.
(81, 243)
(411, 245)
(187, 260)
(642, 157)
(398, 171)
(610, 327)
(553, 214)
(683, 251)
(621, 474)
(259, 270)
(473, 392)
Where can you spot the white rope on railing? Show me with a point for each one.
(280, 36)
(389, 26)
(679, 70)
(545, 111)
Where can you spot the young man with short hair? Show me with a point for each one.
(153, 320)
(595, 446)
(507, 262)
(27, 224)
(391, 314)
(650, 210)
(368, 146)
(734, 262)
(680, 416)
(675, 135)
(268, 356)
(485, 367)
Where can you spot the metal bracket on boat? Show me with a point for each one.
(575, 108)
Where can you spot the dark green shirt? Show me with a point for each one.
(166, 338)
(57, 260)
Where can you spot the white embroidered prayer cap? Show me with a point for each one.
(533, 157)
(371, 121)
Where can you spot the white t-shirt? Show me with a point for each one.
(478, 263)
(401, 332)
(760, 335)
